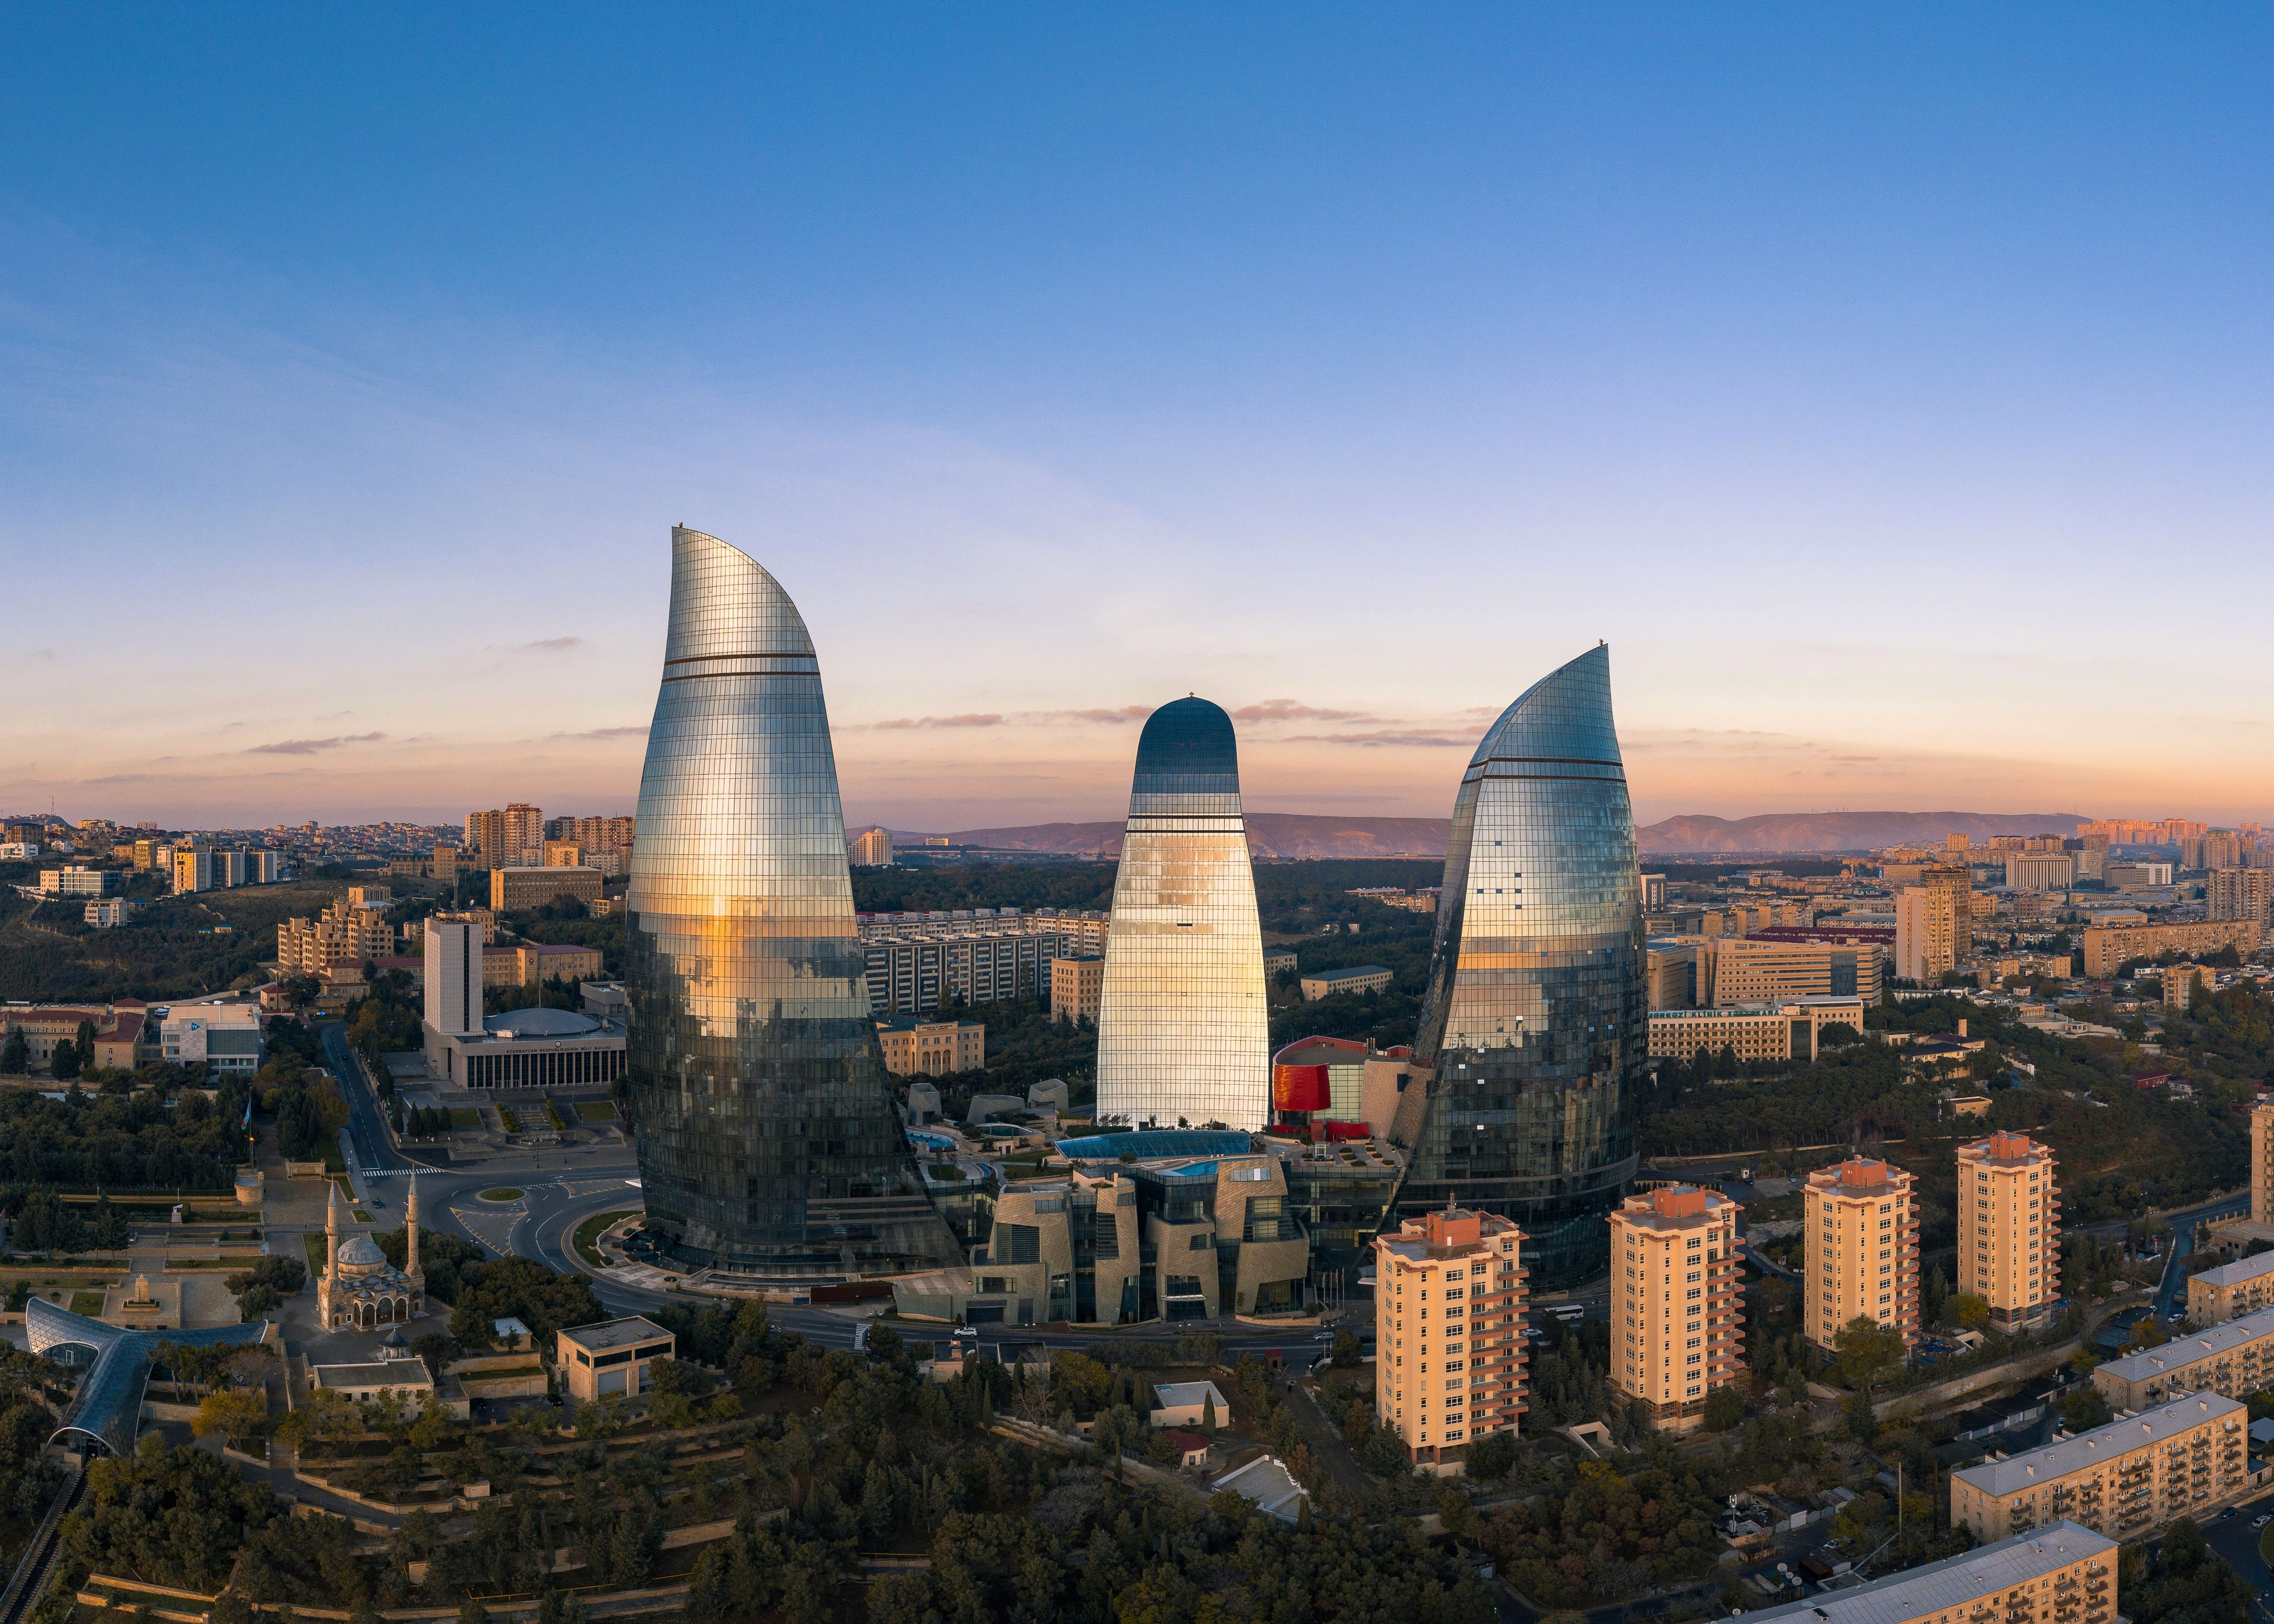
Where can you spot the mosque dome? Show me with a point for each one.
(361, 1256)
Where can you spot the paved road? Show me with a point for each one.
(2234, 1538)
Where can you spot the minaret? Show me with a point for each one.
(332, 1237)
(411, 1269)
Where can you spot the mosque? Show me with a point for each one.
(360, 1289)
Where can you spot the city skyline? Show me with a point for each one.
(1914, 405)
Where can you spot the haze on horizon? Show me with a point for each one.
(1890, 391)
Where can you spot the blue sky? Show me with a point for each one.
(1890, 390)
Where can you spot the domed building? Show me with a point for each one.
(361, 1288)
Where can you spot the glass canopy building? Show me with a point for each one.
(1183, 1035)
(769, 1141)
(1535, 1025)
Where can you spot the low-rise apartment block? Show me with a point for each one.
(1676, 1319)
(224, 1037)
(513, 888)
(2234, 1359)
(2060, 1574)
(1350, 979)
(1863, 1251)
(79, 880)
(2127, 1480)
(2107, 946)
(1757, 1031)
(983, 956)
(2009, 1228)
(2231, 1291)
(1449, 1332)
(1755, 970)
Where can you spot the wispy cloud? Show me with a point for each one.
(968, 718)
(311, 747)
(542, 645)
(1424, 737)
(1295, 711)
(1125, 714)
(608, 732)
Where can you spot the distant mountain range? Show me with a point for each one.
(1285, 835)
(1291, 835)
(1842, 831)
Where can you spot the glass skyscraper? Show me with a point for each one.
(1183, 1034)
(1534, 1030)
(768, 1135)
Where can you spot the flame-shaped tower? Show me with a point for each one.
(770, 1144)
(1534, 1028)
(1183, 1035)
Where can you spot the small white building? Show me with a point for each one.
(1187, 1403)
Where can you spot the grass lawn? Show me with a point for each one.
(362, 1216)
(588, 1234)
(553, 1115)
(313, 1245)
(465, 1117)
(502, 1193)
(2266, 1544)
(88, 1303)
(512, 1123)
(595, 1110)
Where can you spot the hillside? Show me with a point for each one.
(1285, 835)
(1842, 831)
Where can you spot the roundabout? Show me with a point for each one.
(502, 1193)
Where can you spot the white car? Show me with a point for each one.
(2261, 1521)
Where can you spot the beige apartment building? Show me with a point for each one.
(2183, 983)
(2009, 1228)
(1677, 1323)
(513, 888)
(917, 1048)
(1781, 1032)
(2231, 1291)
(871, 848)
(2060, 1574)
(1744, 970)
(506, 837)
(2235, 1359)
(1075, 986)
(353, 930)
(2262, 1164)
(2107, 946)
(2127, 1480)
(1449, 1332)
(1934, 925)
(612, 1358)
(1863, 1251)
(2239, 893)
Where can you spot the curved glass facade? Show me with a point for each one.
(1534, 1030)
(768, 1134)
(1183, 1035)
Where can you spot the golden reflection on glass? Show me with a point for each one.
(768, 1135)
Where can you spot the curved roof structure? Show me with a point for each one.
(1187, 748)
(108, 1409)
(538, 1023)
(768, 1134)
(1563, 720)
(1535, 1028)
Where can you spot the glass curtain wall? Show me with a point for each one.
(1534, 1027)
(768, 1134)
(1183, 1034)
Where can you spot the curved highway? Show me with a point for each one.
(556, 1199)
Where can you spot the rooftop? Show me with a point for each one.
(1345, 972)
(406, 1375)
(1151, 1144)
(615, 1333)
(2102, 1443)
(540, 1024)
(2238, 1273)
(2186, 1351)
(1918, 1592)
